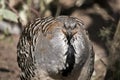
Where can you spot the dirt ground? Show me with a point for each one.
(8, 63)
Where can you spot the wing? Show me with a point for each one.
(84, 56)
(88, 68)
(26, 47)
(25, 57)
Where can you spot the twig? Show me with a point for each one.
(58, 10)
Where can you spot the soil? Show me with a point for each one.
(8, 58)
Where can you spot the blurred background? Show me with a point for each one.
(101, 19)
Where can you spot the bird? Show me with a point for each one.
(55, 48)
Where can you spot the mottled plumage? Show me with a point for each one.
(55, 49)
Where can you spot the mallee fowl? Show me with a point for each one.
(55, 49)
